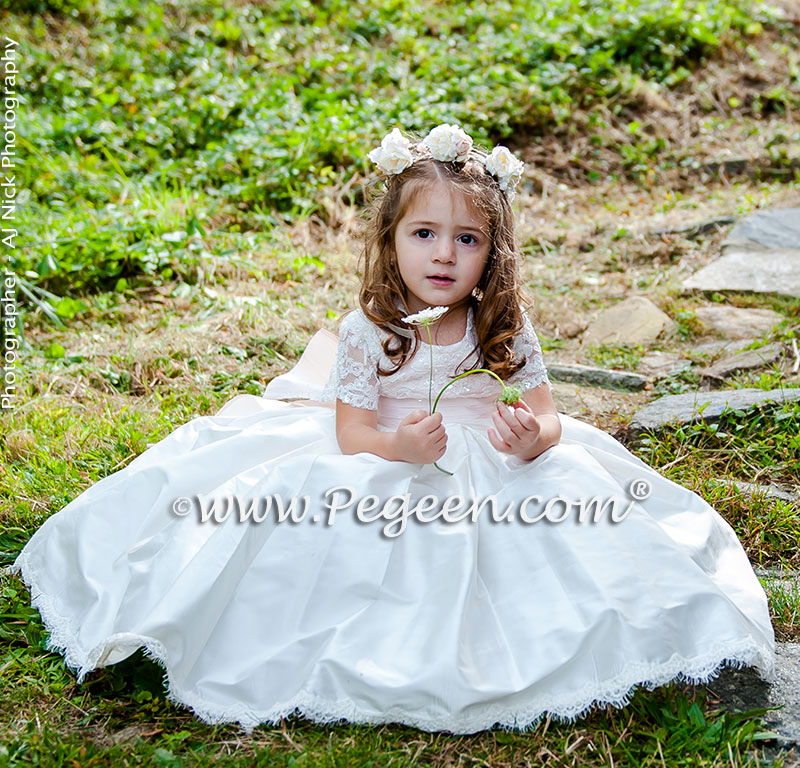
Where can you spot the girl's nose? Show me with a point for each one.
(446, 250)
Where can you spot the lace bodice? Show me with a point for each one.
(354, 376)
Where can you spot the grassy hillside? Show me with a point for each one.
(151, 122)
(190, 204)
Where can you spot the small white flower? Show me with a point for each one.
(448, 143)
(174, 237)
(426, 316)
(394, 153)
(506, 168)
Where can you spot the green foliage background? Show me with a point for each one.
(260, 110)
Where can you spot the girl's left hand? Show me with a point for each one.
(517, 430)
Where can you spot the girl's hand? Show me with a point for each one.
(518, 430)
(420, 438)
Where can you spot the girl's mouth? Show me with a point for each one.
(441, 280)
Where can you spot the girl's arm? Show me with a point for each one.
(530, 428)
(419, 439)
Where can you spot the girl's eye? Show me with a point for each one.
(468, 239)
(424, 234)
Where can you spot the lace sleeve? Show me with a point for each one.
(355, 380)
(533, 373)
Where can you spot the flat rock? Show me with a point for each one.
(716, 349)
(751, 269)
(635, 320)
(743, 689)
(569, 328)
(744, 361)
(697, 228)
(596, 377)
(702, 406)
(776, 572)
(659, 365)
(769, 491)
(776, 228)
(737, 322)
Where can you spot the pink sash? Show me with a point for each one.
(392, 410)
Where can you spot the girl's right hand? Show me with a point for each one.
(420, 438)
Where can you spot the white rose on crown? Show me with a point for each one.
(448, 143)
(394, 153)
(506, 168)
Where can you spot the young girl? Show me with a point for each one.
(450, 567)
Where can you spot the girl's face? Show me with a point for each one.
(442, 246)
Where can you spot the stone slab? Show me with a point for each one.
(743, 269)
(773, 228)
(635, 320)
(697, 228)
(662, 364)
(769, 491)
(737, 322)
(743, 689)
(702, 406)
(596, 377)
(753, 359)
(777, 572)
(715, 349)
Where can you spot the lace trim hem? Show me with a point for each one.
(566, 707)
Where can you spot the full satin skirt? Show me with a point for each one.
(377, 606)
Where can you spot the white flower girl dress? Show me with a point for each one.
(447, 624)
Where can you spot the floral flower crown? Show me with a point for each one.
(446, 143)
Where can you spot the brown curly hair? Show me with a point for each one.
(497, 299)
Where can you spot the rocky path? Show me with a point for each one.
(760, 255)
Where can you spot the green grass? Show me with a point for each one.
(784, 605)
(760, 446)
(621, 356)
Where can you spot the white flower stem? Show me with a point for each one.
(430, 387)
(430, 378)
